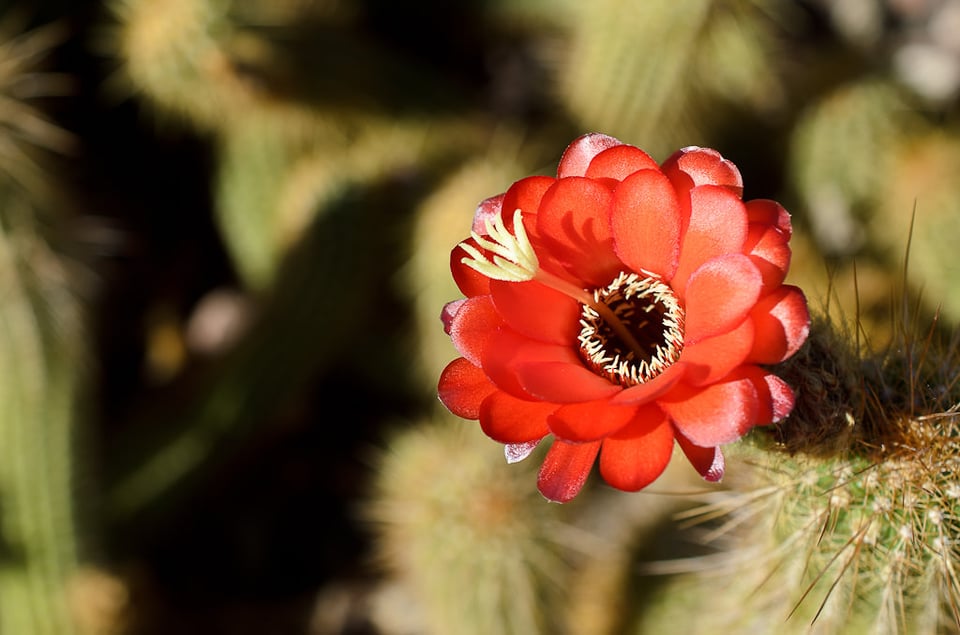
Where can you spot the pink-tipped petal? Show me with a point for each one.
(472, 325)
(563, 382)
(449, 310)
(578, 155)
(719, 296)
(589, 421)
(708, 462)
(694, 166)
(775, 398)
(769, 213)
(768, 249)
(639, 453)
(619, 162)
(510, 420)
(645, 220)
(537, 311)
(565, 469)
(516, 452)
(711, 359)
(463, 387)
(488, 210)
(782, 323)
(716, 414)
(717, 226)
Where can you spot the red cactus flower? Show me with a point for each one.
(618, 308)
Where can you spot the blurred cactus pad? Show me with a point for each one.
(225, 231)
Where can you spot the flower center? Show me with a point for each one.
(648, 309)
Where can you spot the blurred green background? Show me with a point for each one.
(224, 239)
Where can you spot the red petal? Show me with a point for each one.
(634, 457)
(472, 326)
(589, 421)
(707, 461)
(537, 311)
(711, 359)
(782, 323)
(573, 223)
(769, 213)
(488, 210)
(619, 162)
(768, 249)
(576, 158)
(694, 166)
(717, 226)
(645, 219)
(510, 420)
(563, 382)
(565, 469)
(507, 350)
(652, 389)
(720, 413)
(774, 397)
(526, 195)
(449, 310)
(470, 281)
(719, 295)
(463, 387)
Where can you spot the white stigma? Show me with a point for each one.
(513, 257)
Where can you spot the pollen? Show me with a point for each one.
(650, 312)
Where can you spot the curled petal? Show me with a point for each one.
(694, 166)
(565, 469)
(472, 325)
(620, 162)
(645, 220)
(470, 281)
(449, 310)
(717, 226)
(572, 223)
(635, 456)
(537, 311)
(510, 420)
(719, 296)
(707, 461)
(563, 382)
(782, 323)
(768, 249)
(589, 421)
(717, 414)
(774, 397)
(578, 155)
(711, 359)
(463, 387)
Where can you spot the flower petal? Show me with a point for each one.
(510, 420)
(576, 158)
(507, 350)
(563, 382)
(645, 220)
(572, 223)
(775, 398)
(619, 162)
(652, 389)
(590, 420)
(692, 166)
(769, 213)
(768, 249)
(711, 359)
(782, 323)
(707, 461)
(516, 452)
(472, 326)
(537, 311)
(720, 413)
(717, 226)
(719, 295)
(449, 310)
(639, 453)
(565, 469)
(526, 195)
(463, 387)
